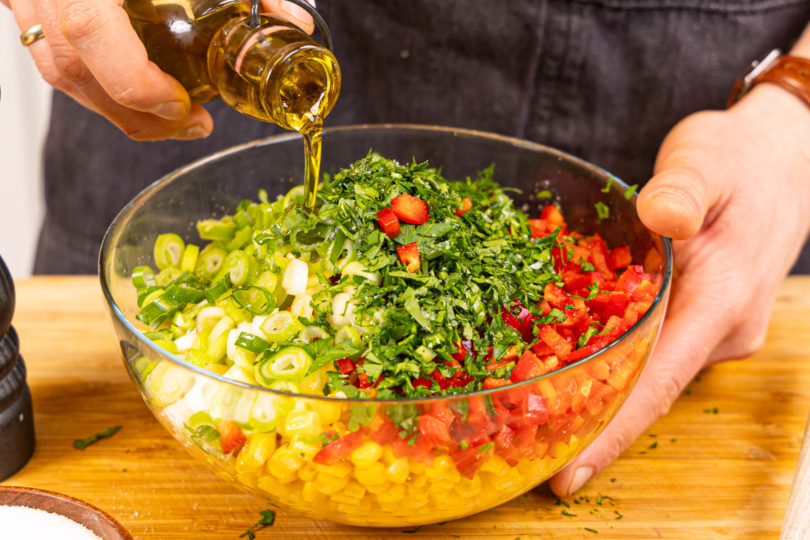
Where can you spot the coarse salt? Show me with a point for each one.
(23, 523)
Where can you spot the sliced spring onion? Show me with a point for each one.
(143, 276)
(313, 333)
(290, 364)
(160, 334)
(199, 358)
(213, 229)
(168, 250)
(189, 261)
(209, 262)
(244, 236)
(295, 277)
(149, 294)
(337, 246)
(257, 300)
(184, 293)
(236, 313)
(239, 266)
(349, 336)
(303, 238)
(167, 345)
(295, 197)
(242, 219)
(264, 415)
(224, 325)
(158, 310)
(167, 275)
(252, 343)
(356, 268)
(208, 318)
(220, 287)
(281, 326)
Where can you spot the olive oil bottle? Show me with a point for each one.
(273, 72)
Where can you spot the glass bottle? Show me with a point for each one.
(274, 72)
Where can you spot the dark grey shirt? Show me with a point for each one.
(601, 79)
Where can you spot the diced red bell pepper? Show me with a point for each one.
(555, 341)
(422, 382)
(339, 449)
(231, 438)
(620, 258)
(410, 209)
(524, 437)
(539, 228)
(388, 222)
(466, 204)
(632, 278)
(433, 430)
(490, 382)
(645, 292)
(409, 255)
(345, 365)
(528, 367)
(573, 277)
(470, 460)
(385, 433)
(553, 217)
(419, 450)
(463, 348)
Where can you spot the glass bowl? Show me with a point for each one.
(386, 481)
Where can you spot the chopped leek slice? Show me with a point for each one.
(168, 250)
(166, 345)
(158, 310)
(281, 326)
(295, 197)
(213, 229)
(240, 266)
(189, 261)
(257, 300)
(220, 288)
(244, 236)
(350, 336)
(252, 343)
(199, 358)
(313, 333)
(142, 277)
(209, 262)
(160, 334)
(290, 364)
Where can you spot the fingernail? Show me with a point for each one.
(295, 11)
(172, 110)
(190, 132)
(582, 475)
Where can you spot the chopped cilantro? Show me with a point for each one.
(654, 445)
(592, 530)
(81, 444)
(606, 189)
(630, 191)
(268, 518)
(566, 513)
(413, 531)
(602, 211)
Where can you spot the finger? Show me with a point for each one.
(678, 200)
(135, 124)
(292, 13)
(102, 36)
(40, 51)
(690, 333)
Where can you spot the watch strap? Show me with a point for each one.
(790, 72)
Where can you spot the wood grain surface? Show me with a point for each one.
(711, 475)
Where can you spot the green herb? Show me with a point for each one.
(566, 513)
(592, 530)
(484, 448)
(545, 194)
(606, 189)
(268, 517)
(602, 211)
(654, 445)
(587, 267)
(612, 480)
(81, 444)
(673, 440)
(566, 504)
(630, 191)
(464, 445)
(413, 531)
(712, 411)
(618, 514)
(361, 415)
(688, 392)
(653, 435)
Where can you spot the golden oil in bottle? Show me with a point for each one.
(274, 72)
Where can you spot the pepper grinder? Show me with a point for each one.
(16, 411)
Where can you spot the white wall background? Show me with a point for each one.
(24, 111)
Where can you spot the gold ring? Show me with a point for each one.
(31, 35)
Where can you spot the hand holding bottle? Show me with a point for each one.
(91, 52)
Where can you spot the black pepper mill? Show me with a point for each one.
(16, 412)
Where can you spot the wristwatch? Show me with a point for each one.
(790, 72)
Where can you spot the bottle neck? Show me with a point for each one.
(275, 72)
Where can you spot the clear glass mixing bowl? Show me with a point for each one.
(385, 482)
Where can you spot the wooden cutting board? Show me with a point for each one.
(712, 475)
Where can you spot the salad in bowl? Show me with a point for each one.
(415, 350)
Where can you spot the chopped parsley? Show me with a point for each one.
(631, 190)
(81, 444)
(602, 211)
(268, 518)
(567, 513)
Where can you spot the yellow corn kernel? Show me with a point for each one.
(388, 456)
(396, 492)
(329, 411)
(259, 448)
(328, 484)
(359, 510)
(307, 473)
(284, 465)
(372, 476)
(340, 497)
(398, 471)
(270, 484)
(496, 465)
(443, 469)
(366, 455)
(511, 478)
(306, 450)
(379, 488)
(248, 479)
(339, 469)
(417, 467)
(418, 481)
(440, 486)
(304, 423)
(443, 498)
(354, 489)
(309, 493)
(469, 488)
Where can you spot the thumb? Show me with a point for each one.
(292, 13)
(676, 200)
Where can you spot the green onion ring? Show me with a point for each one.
(245, 298)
